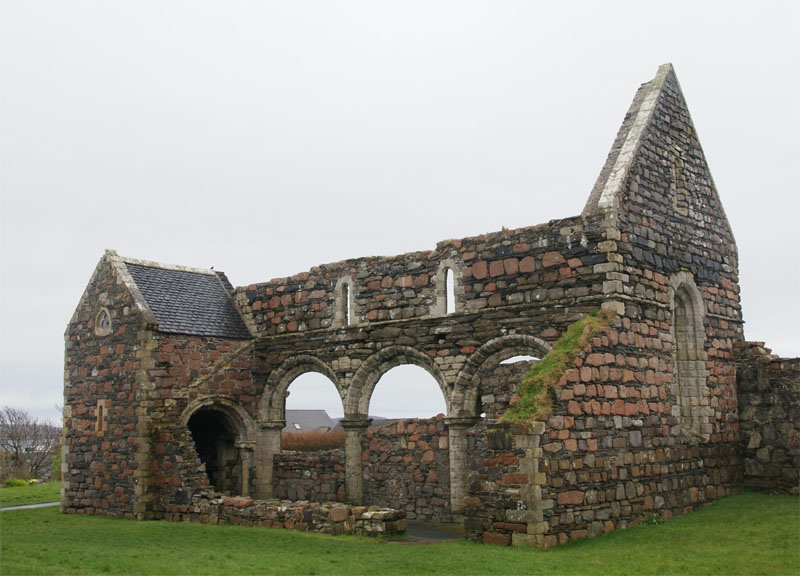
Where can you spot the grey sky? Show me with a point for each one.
(263, 138)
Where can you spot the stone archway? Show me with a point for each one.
(466, 390)
(223, 440)
(366, 377)
(272, 406)
(272, 413)
(465, 402)
(691, 408)
(359, 393)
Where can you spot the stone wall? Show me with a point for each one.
(645, 421)
(102, 462)
(315, 476)
(406, 466)
(128, 391)
(214, 508)
(546, 263)
(189, 373)
(608, 455)
(769, 418)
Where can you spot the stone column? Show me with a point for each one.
(354, 428)
(459, 465)
(245, 455)
(268, 443)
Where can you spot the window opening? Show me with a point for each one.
(103, 323)
(450, 292)
(100, 413)
(346, 295)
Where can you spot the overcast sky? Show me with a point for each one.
(263, 138)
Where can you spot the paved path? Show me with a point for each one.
(427, 533)
(28, 506)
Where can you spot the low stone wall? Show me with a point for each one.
(303, 516)
(315, 476)
(769, 418)
(406, 466)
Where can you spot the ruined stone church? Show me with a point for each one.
(176, 381)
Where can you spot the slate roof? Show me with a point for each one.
(307, 420)
(186, 302)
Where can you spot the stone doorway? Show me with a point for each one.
(214, 435)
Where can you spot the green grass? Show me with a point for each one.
(536, 389)
(743, 534)
(31, 494)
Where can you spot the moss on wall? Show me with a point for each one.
(535, 393)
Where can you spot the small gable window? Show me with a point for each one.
(102, 323)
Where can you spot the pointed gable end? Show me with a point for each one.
(657, 188)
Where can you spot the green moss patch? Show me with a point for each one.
(536, 392)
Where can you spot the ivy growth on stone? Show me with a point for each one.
(537, 389)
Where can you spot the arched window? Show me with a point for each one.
(346, 298)
(345, 313)
(450, 292)
(691, 408)
(447, 289)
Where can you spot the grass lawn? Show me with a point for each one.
(31, 494)
(744, 534)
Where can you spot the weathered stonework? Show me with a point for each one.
(302, 516)
(176, 382)
(769, 418)
(315, 476)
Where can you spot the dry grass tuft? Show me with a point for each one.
(312, 440)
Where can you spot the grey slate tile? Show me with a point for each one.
(187, 302)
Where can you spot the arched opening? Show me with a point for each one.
(447, 289)
(689, 368)
(497, 380)
(407, 391)
(406, 458)
(312, 414)
(450, 292)
(345, 313)
(214, 434)
(346, 303)
(311, 462)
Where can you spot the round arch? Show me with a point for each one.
(366, 377)
(683, 283)
(223, 434)
(465, 392)
(237, 416)
(272, 405)
(689, 370)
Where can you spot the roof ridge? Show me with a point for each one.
(162, 266)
